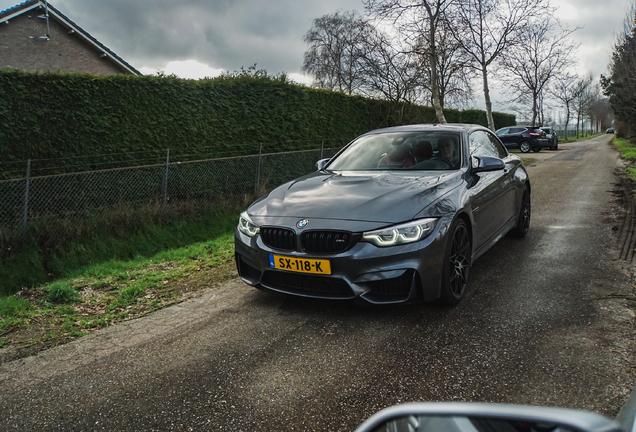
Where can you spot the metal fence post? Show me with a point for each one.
(322, 147)
(164, 185)
(27, 183)
(258, 169)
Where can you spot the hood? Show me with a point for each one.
(389, 197)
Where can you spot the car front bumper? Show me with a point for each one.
(365, 272)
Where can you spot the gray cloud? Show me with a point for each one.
(599, 22)
(224, 34)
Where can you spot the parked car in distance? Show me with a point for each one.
(398, 215)
(551, 137)
(524, 138)
(610, 131)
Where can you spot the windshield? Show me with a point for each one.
(401, 151)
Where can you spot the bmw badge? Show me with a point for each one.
(302, 223)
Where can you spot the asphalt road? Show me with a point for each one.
(537, 328)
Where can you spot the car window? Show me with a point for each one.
(481, 145)
(517, 130)
(502, 131)
(501, 150)
(401, 151)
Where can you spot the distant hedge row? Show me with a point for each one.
(64, 115)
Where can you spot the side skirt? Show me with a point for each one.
(498, 236)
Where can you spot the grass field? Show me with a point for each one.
(112, 291)
(626, 149)
(66, 278)
(56, 249)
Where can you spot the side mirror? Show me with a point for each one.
(322, 163)
(474, 417)
(486, 164)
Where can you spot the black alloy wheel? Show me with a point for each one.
(524, 146)
(523, 222)
(456, 265)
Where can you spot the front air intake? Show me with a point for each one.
(279, 238)
(325, 241)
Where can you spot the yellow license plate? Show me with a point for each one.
(300, 265)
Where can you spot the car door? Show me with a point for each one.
(509, 205)
(514, 137)
(503, 134)
(489, 199)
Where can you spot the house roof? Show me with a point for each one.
(65, 21)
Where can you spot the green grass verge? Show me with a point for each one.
(626, 149)
(59, 251)
(104, 293)
(528, 161)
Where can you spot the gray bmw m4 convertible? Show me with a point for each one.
(398, 215)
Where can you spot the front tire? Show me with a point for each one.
(537, 149)
(456, 264)
(523, 220)
(524, 146)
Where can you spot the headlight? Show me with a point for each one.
(401, 234)
(246, 226)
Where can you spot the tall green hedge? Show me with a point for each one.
(63, 115)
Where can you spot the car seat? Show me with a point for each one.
(423, 150)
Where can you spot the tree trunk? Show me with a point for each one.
(567, 120)
(534, 110)
(491, 121)
(439, 113)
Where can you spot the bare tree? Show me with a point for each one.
(598, 110)
(336, 46)
(564, 91)
(389, 73)
(581, 100)
(417, 17)
(543, 50)
(454, 69)
(487, 28)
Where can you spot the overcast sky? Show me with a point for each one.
(197, 38)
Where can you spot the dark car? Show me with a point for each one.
(551, 137)
(524, 138)
(398, 215)
(609, 131)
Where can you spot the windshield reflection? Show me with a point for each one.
(401, 151)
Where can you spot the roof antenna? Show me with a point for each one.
(47, 36)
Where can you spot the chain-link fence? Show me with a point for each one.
(74, 194)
